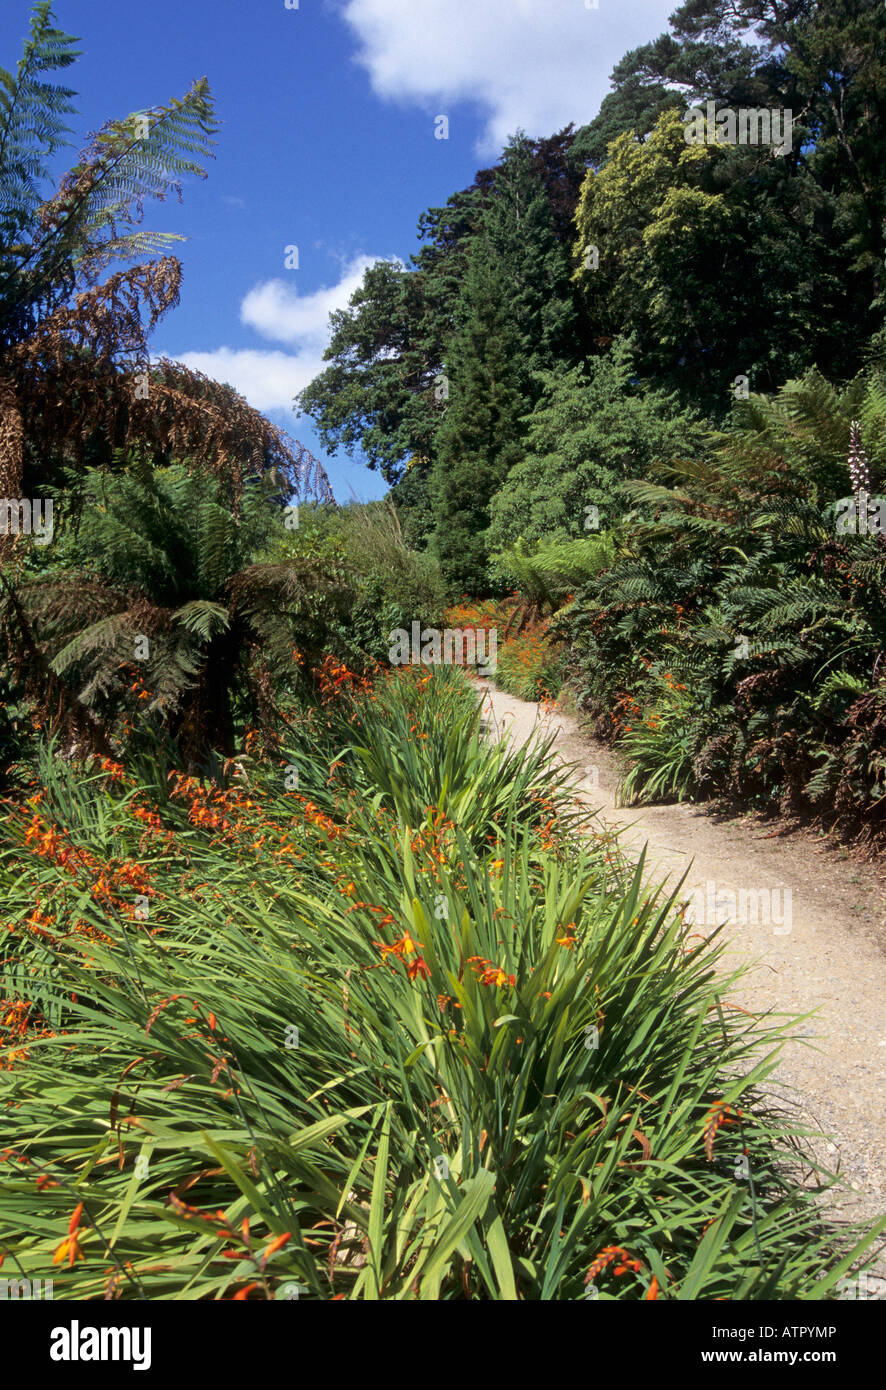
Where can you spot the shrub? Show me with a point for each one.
(545, 575)
(530, 664)
(529, 660)
(733, 576)
(394, 585)
(660, 746)
(595, 425)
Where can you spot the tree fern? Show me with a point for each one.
(839, 687)
(735, 585)
(140, 156)
(548, 572)
(70, 342)
(155, 603)
(32, 119)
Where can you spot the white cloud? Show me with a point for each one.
(269, 379)
(535, 64)
(277, 311)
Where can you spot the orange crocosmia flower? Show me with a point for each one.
(567, 941)
(496, 976)
(70, 1246)
(276, 1244)
(418, 967)
(607, 1255)
(404, 947)
(719, 1114)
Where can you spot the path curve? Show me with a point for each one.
(831, 960)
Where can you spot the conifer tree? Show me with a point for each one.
(479, 440)
(519, 227)
(515, 320)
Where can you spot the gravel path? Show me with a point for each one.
(823, 949)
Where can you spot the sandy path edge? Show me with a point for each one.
(826, 955)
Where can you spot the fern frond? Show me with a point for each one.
(32, 112)
(203, 618)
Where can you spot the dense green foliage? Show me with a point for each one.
(479, 441)
(156, 600)
(739, 634)
(728, 268)
(389, 584)
(594, 426)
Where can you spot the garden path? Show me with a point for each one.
(831, 961)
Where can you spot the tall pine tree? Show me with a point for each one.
(519, 226)
(514, 320)
(479, 441)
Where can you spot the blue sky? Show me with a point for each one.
(328, 144)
